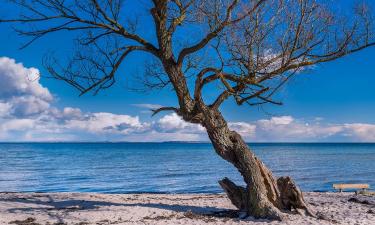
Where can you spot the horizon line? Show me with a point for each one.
(165, 142)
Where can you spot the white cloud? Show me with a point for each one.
(148, 106)
(274, 121)
(273, 62)
(20, 89)
(72, 112)
(28, 105)
(174, 123)
(105, 122)
(18, 80)
(5, 109)
(247, 130)
(27, 114)
(17, 125)
(287, 128)
(360, 131)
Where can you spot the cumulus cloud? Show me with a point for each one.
(17, 124)
(360, 131)
(20, 90)
(173, 123)
(287, 128)
(104, 123)
(18, 80)
(247, 130)
(5, 109)
(275, 121)
(27, 113)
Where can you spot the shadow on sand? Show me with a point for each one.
(46, 203)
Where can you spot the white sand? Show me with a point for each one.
(81, 208)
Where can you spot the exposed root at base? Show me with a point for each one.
(290, 198)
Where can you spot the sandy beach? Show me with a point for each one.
(90, 208)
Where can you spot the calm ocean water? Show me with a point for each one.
(172, 167)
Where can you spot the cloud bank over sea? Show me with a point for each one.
(28, 112)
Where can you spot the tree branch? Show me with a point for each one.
(156, 111)
(211, 35)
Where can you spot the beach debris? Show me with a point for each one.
(160, 217)
(322, 216)
(227, 214)
(82, 223)
(28, 221)
(205, 217)
(103, 222)
(366, 193)
(356, 200)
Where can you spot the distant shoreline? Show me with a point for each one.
(179, 142)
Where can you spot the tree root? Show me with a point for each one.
(236, 194)
(239, 197)
(289, 197)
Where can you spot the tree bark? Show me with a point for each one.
(263, 196)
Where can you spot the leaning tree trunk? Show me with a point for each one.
(263, 196)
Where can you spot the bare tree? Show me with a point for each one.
(249, 49)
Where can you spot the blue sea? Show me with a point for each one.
(172, 167)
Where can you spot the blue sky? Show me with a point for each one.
(332, 102)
